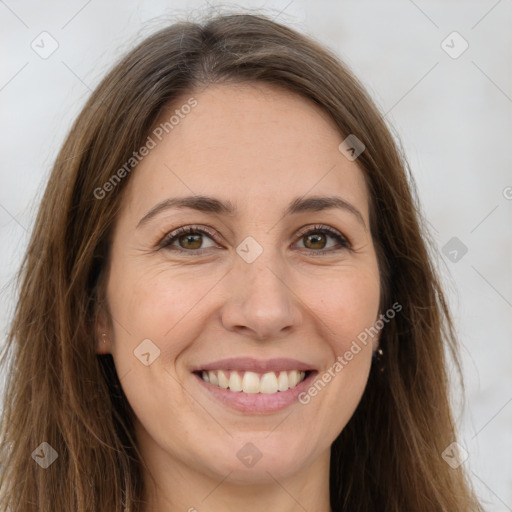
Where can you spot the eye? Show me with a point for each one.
(317, 236)
(190, 239)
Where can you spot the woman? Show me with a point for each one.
(227, 302)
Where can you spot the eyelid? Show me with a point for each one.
(183, 230)
(319, 227)
(200, 228)
(332, 232)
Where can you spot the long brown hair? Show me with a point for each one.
(59, 391)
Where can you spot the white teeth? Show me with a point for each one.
(268, 383)
(293, 378)
(223, 380)
(282, 381)
(235, 382)
(252, 382)
(212, 376)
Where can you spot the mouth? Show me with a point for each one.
(253, 386)
(254, 382)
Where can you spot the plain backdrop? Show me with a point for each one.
(448, 96)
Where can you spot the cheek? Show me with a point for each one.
(348, 308)
(348, 305)
(167, 307)
(157, 302)
(155, 312)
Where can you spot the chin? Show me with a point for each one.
(256, 459)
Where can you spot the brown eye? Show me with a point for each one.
(315, 240)
(187, 239)
(190, 241)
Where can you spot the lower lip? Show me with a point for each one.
(257, 403)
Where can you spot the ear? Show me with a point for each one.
(103, 333)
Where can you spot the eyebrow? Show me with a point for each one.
(213, 205)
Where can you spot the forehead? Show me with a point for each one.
(254, 144)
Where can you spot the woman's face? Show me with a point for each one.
(261, 294)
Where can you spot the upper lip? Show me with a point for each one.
(255, 365)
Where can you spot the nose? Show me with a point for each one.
(261, 301)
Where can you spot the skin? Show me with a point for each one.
(259, 147)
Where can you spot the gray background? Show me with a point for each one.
(453, 117)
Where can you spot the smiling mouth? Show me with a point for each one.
(252, 382)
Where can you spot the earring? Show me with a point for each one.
(103, 336)
(378, 360)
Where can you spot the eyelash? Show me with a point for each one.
(171, 237)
